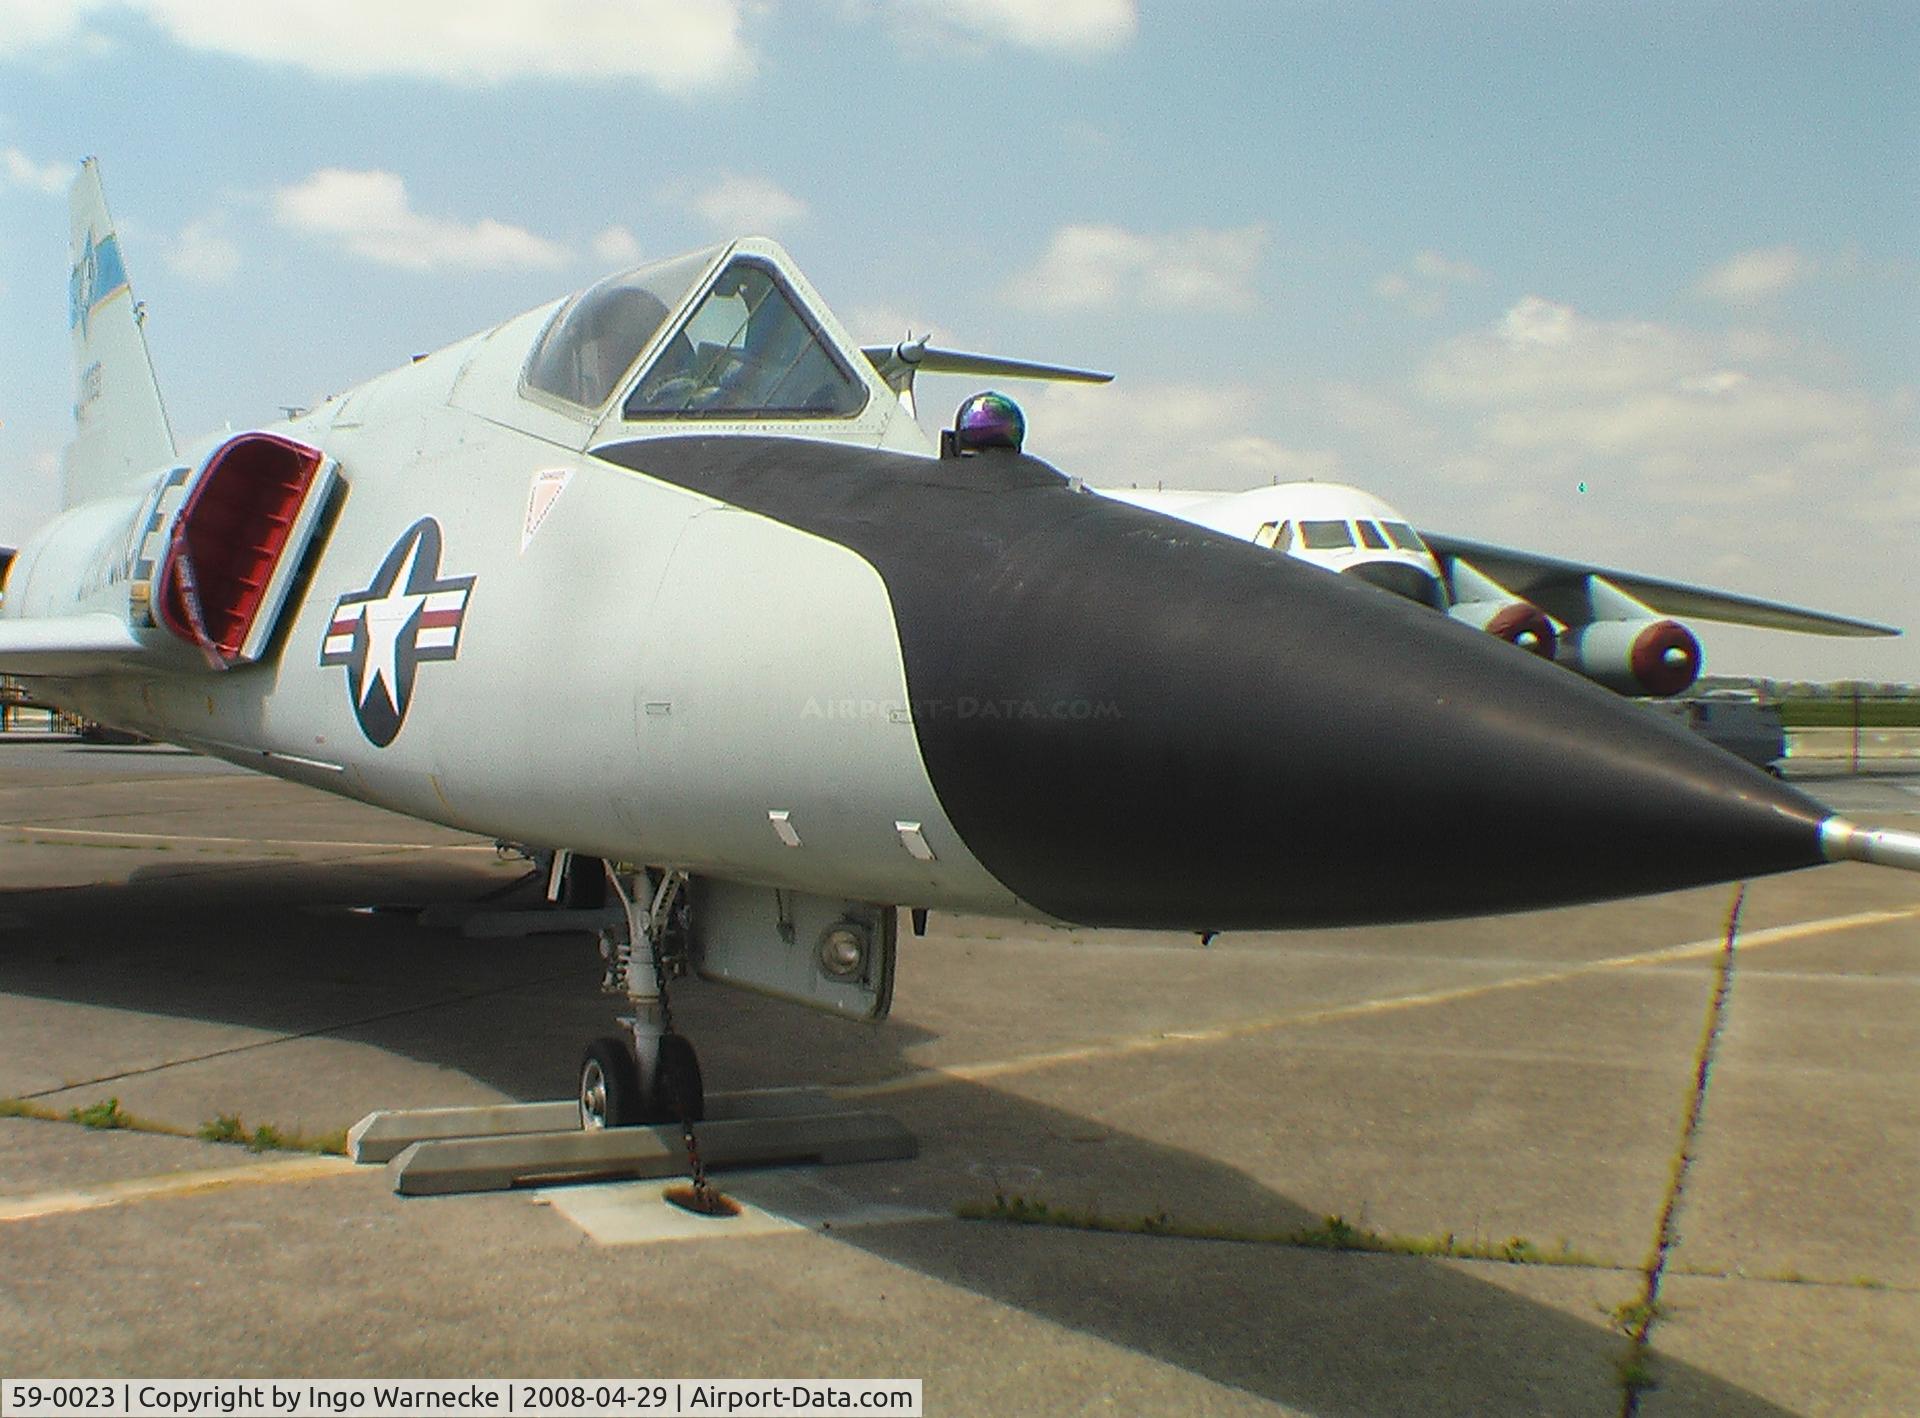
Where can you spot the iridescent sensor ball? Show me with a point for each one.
(989, 421)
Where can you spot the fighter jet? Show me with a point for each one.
(1614, 627)
(664, 575)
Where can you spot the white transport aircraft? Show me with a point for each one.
(1614, 627)
(665, 576)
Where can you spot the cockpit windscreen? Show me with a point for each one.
(748, 347)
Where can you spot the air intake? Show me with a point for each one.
(237, 542)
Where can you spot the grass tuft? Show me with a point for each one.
(1635, 1372)
(228, 1128)
(1634, 1317)
(106, 1115)
(225, 1128)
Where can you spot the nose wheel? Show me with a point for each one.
(609, 1085)
(616, 1091)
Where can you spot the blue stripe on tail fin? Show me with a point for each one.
(120, 424)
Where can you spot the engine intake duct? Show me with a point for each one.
(240, 535)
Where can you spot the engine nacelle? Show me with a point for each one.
(1518, 623)
(1482, 602)
(1653, 657)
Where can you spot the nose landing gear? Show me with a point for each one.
(649, 1074)
(638, 1086)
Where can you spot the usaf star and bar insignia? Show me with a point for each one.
(407, 615)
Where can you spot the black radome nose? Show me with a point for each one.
(1190, 732)
(1133, 721)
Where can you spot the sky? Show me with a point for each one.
(1629, 283)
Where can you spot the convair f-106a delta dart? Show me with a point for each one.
(665, 576)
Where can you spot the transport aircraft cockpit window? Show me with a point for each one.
(596, 337)
(1325, 536)
(1404, 536)
(747, 348)
(1370, 536)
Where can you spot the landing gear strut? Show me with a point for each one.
(649, 1074)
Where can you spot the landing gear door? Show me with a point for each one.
(820, 951)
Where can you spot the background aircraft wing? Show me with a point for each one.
(1558, 588)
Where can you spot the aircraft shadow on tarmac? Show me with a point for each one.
(1330, 1334)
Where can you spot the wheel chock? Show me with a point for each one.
(475, 1164)
(382, 1136)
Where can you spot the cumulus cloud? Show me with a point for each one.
(1542, 324)
(1088, 266)
(680, 46)
(1735, 458)
(370, 215)
(1754, 276)
(203, 253)
(1075, 27)
(1682, 418)
(616, 246)
(737, 205)
(19, 170)
(1542, 350)
(27, 26)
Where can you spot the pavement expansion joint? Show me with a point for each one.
(317, 1032)
(66, 1201)
(1335, 1234)
(1639, 1317)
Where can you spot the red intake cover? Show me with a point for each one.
(1658, 669)
(1514, 622)
(228, 537)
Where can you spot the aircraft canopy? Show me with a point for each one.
(598, 334)
(747, 344)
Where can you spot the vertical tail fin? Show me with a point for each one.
(120, 425)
